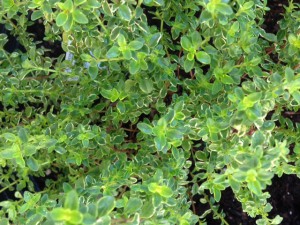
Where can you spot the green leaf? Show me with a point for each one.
(234, 28)
(134, 67)
(23, 135)
(105, 205)
(289, 74)
(29, 149)
(216, 87)
(106, 9)
(160, 142)
(277, 220)
(224, 9)
(173, 134)
(121, 40)
(248, 5)
(133, 205)
(135, 45)
(36, 15)
(162, 190)
(68, 25)
(250, 100)
(27, 64)
(257, 139)
(145, 128)
(20, 160)
(255, 187)
(124, 12)
(113, 52)
(203, 57)
(269, 36)
(196, 38)
(205, 17)
(115, 32)
(217, 194)
(4, 221)
(79, 17)
(79, 2)
(93, 3)
(190, 56)
(268, 126)
(9, 137)
(188, 65)
(93, 72)
(121, 107)
(186, 43)
(147, 210)
(68, 5)
(33, 164)
(162, 124)
(67, 187)
(104, 220)
(225, 79)
(72, 201)
(11, 152)
(186, 145)
(127, 53)
(296, 96)
(179, 106)
(234, 184)
(146, 85)
(154, 39)
(34, 219)
(86, 57)
(112, 94)
(67, 215)
(253, 114)
(169, 117)
(8, 3)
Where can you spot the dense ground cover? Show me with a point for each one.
(155, 116)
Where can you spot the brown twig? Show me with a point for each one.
(297, 67)
(192, 74)
(131, 130)
(270, 49)
(178, 66)
(292, 113)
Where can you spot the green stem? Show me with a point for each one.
(8, 186)
(139, 3)
(100, 23)
(216, 211)
(25, 91)
(11, 23)
(161, 25)
(108, 60)
(50, 70)
(204, 41)
(8, 59)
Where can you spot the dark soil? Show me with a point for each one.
(285, 199)
(274, 15)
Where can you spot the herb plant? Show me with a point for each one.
(162, 101)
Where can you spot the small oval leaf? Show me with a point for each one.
(203, 57)
(61, 19)
(105, 205)
(79, 17)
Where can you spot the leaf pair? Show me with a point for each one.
(191, 45)
(70, 15)
(124, 48)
